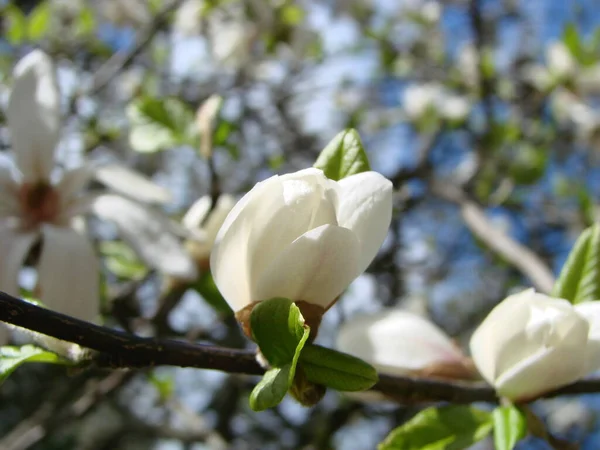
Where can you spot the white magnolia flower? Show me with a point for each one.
(397, 342)
(530, 344)
(204, 224)
(37, 204)
(301, 236)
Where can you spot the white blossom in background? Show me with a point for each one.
(203, 224)
(468, 64)
(560, 62)
(230, 40)
(398, 342)
(559, 66)
(431, 11)
(530, 344)
(301, 236)
(418, 100)
(41, 203)
(188, 17)
(134, 13)
(570, 109)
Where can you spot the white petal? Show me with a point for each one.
(72, 184)
(149, 233)
(14, 247)
(133, 184)
(9, 193)
(33, 115)
(229, 257)
(366, 208)
(548, 369)
(69, 273)
(591, 312)
(397, 342)
(298, 203)
(316, 267)
(194, 216)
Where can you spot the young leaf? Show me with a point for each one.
(12, 357)
(160, 124)
(343, 156)
(278, 328)
(579, 279)
(444, 428)
(39, 20)
(510, 426)
(336, 370)
(271, 389)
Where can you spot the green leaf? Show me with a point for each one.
(572, 41)
(16, 30)
(343, 156)
(85, 22)
(579, 279)
(160, 124)
(444, 428)
(164, 384)
(269, 392)
(510, 426)
(336, 370)
(278, 328)
(122, 260)
(12, 357)
(39, 20)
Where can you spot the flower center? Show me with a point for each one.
(39, 203)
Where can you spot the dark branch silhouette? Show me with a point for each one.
(117, 349)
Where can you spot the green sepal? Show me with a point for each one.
(280, 332)
(343, 156)
(336, 370)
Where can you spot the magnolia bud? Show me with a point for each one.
(530, 344)
(301, 236)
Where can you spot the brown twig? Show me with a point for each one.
(518, 255)
(111, 68)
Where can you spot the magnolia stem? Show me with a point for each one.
(117, 349)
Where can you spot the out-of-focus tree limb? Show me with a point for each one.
(120, 60)
(122, 350)
(518, 255)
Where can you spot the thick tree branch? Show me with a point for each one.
(518, 255)
(119, 349)
(122, 350)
